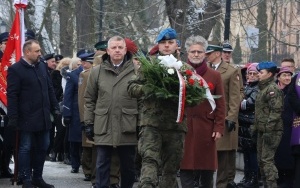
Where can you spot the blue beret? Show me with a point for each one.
(266, 65)
(166, 34)
(89, 57)
(4, 36)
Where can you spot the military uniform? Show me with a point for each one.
(161, 139)
(268, 123)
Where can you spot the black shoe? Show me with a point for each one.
(7, 173)
(114, 186)
(232, 185)
(74, 170)
(87, 177)
(40, 183)
(93, 185)
(27, 184)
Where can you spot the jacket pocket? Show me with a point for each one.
(101, 121)
(129, 120)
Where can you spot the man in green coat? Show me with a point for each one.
(268, 122)
(110, 114)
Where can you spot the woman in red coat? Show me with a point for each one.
(204, 126)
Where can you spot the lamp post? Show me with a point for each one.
(2, 27)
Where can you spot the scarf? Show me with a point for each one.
(200, 68)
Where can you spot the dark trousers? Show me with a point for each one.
(250, 161)
(87, 154)
(33, 144)
(104, 155)
(297, 171)
(226, 167)
(58, 146)
(206, 178)
(75, 152)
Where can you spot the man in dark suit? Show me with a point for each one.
(31, 99)
(228, 144)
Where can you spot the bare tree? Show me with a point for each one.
(66, 11)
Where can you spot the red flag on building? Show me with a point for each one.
(13, 50)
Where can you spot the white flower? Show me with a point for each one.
(171, 71)
(170, 61)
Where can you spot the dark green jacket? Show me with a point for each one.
(268, 107)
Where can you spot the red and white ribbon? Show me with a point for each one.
(207, 92)
(181, 101)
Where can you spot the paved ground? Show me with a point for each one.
(59, 175)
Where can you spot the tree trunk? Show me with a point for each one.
(66, 21)
(85, 24)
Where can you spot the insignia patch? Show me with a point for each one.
(272, 93)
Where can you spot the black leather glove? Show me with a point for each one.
(67, 121)
(230, 125)
(12, 123)
(89, 131)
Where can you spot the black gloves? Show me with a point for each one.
(89, 131)
(67, 121)
(12, 123)
(230, 125)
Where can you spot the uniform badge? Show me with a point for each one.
(272, 93)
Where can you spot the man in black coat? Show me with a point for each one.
(31, 99)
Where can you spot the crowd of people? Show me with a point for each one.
(92, 111)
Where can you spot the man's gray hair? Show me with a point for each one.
(193, 40)
(115, 38)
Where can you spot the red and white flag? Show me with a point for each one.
(13, 50)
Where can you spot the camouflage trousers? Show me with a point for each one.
(267, 144)
(160, 149)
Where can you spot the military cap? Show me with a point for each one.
(58, 57)
(166, 34)
(266, 65)
(131, 46)
(227, 47)
(80, 52)
(213, 46)
(49, 56)
(29, 34)
(4, 36)
(89, 57)
(101, 45)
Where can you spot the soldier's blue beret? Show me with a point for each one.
(49, 56)
(4, 36)
(266, 65)
(29, 34)
(166, 34)
(89, 57)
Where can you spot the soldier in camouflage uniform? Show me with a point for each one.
(268, 122)
(161, 139)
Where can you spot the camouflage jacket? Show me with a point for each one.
(268, 107)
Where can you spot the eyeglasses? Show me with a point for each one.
(252, 74)
(196, 51)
